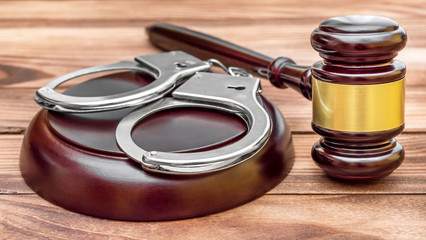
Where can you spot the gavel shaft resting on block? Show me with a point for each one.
(357, 91)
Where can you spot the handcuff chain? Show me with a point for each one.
(233, 71)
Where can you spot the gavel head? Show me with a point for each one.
(358, 96)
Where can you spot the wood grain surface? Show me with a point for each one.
(270, 217)
(44, 39)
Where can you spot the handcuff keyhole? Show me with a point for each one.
(181, 65)
(237, 87)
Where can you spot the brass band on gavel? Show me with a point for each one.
(358, 108)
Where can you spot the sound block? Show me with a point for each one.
(72, 160)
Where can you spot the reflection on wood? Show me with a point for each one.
(15, 74)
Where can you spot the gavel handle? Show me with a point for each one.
(282, 72)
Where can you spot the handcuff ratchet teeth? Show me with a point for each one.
(184, 77)
(167, 69)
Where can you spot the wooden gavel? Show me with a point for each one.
(357, 91)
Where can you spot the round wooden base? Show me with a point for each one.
(72, 161)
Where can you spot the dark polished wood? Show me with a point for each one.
(72, 160)
(358, 39)
(282, 72)
(358, 156)
(357, 49)
(171, 37)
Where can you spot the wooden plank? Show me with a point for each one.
(269, 217)
(221, 10)
(18, 108)
(305, 177)
(32, 56)
(35, 48)
(11, 179)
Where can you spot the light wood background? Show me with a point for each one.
(43, 39)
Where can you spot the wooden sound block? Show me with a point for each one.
(72, 160)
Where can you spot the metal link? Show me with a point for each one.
(233, 71)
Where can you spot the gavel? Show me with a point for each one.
(357, 91)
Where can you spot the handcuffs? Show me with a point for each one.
(181, 81)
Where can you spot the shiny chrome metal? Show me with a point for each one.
(169, 70)
(239, 72)
(237, 95)
(233, 71)
(218, 63)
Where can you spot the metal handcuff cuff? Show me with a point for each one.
(186, 80)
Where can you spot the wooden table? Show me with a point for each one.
(43, 39)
